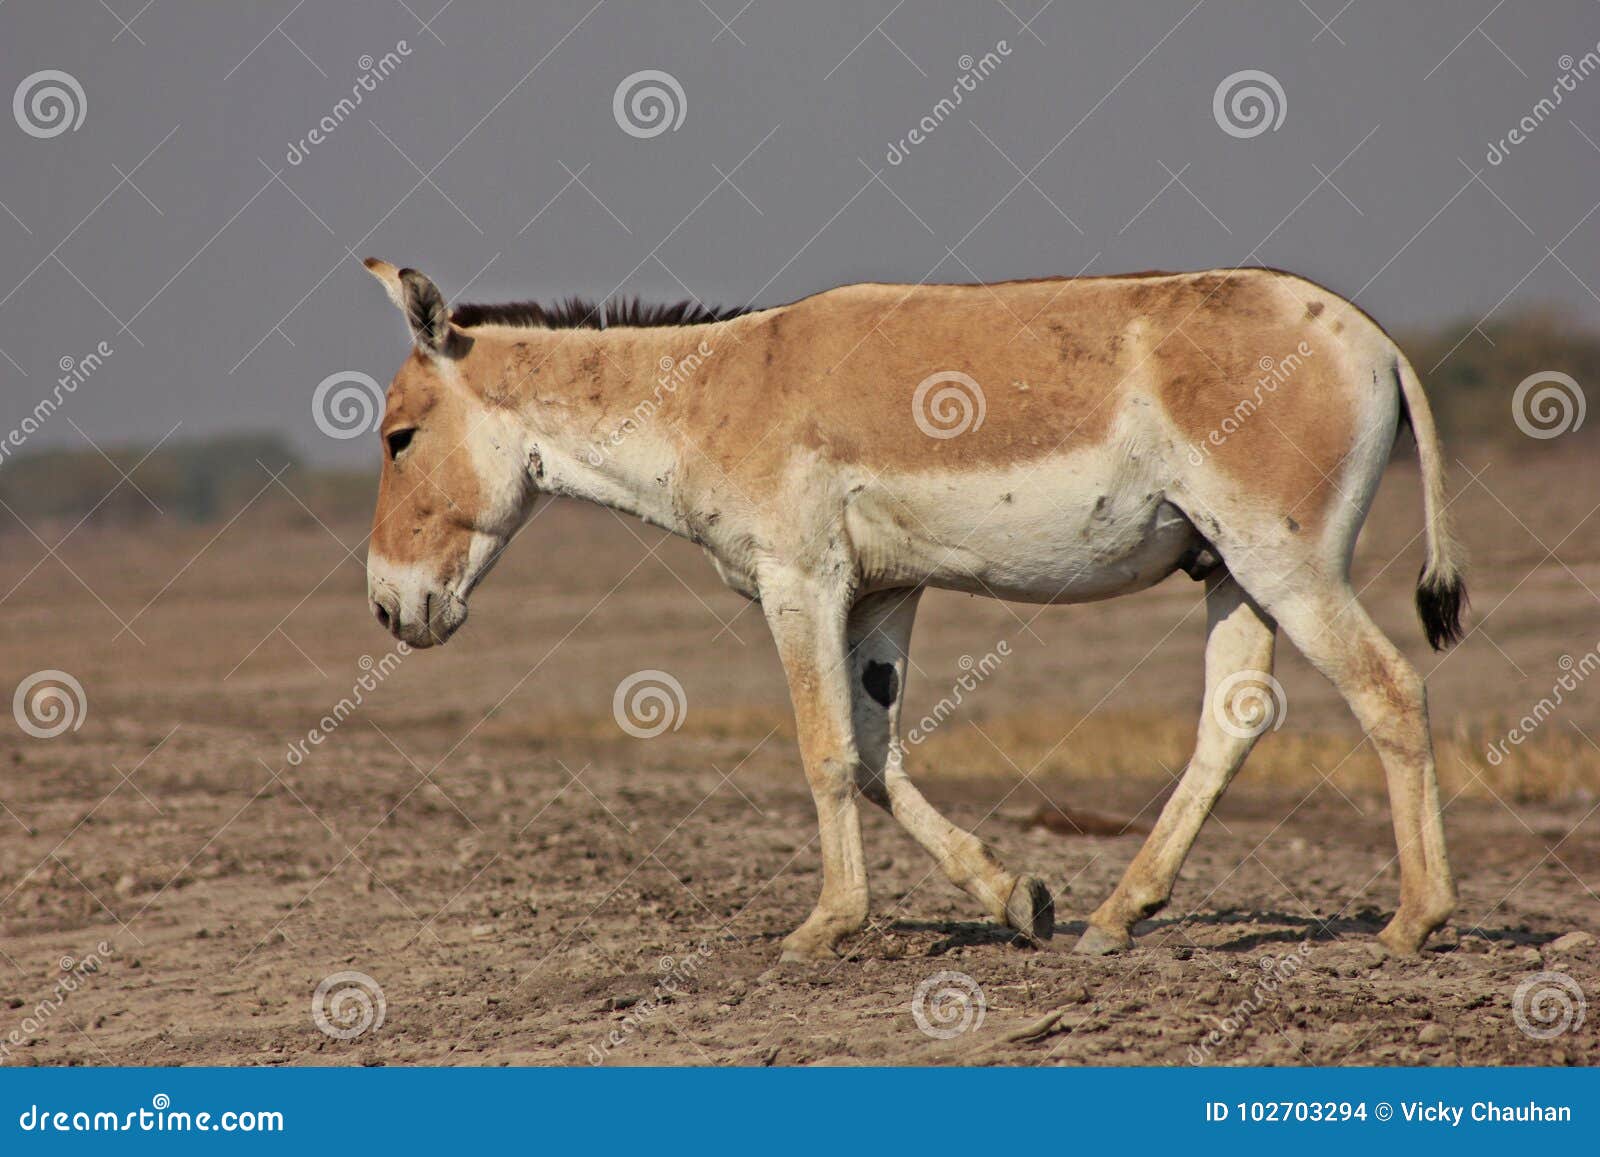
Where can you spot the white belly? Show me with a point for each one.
(1085, 527)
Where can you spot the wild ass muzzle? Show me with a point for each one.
(1055, 441)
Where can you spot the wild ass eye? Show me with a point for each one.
(399, 440)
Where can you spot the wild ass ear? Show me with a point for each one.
(426, 311)
(389, 277)
(422, 303)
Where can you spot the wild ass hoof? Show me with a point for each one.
(813, 943)
(1098, 941)
(1031, 910)
(807, 954)
(1403, 939)
(1414, 922)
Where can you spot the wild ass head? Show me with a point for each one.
(456, 482)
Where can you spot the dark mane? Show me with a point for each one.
(586, 313)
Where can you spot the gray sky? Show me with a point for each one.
(1092, 145)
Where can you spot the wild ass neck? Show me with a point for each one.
(605, 411)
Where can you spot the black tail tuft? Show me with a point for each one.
(1440, 602)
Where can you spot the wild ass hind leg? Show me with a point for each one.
(1239, 644)
(880, 641)
(808, 625)
(1388, 698)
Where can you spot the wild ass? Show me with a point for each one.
(1105, 436)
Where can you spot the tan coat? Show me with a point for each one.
(1050, 441)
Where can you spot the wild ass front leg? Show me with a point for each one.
(880, 643)
(1238, 643)
(808, 625)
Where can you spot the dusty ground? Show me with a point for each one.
(514, 872)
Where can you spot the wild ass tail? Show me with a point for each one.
(1441, 588)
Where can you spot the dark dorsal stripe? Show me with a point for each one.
(586, 313)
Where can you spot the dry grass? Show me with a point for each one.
(1551, 766)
